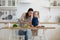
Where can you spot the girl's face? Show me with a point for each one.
(30, 13)
(36, 14)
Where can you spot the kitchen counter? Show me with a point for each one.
(28, 28)
(40, 22)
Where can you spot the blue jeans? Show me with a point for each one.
(26, 36)
(27, 33)
(22, 32)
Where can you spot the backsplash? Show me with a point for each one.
(7, 16)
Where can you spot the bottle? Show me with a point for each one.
(55, 3)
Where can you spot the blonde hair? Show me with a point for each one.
(36, 12)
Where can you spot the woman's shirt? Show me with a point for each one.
(23, 19)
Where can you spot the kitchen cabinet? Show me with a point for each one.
(8, 2)
(2, 2)
(7, 7)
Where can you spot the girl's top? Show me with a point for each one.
(35, 21)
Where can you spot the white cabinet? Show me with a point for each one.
(8, 2)
(2, 2)
(7, 7)
(11, 2)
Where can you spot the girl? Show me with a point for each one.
(35, 22)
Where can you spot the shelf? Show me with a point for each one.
(9, 22)
(8, 8)
(25, 1)
(53, 7)
(49, 22)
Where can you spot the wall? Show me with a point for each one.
(41, 6)
(45, 16)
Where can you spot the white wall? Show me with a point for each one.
(36, 5)
(40, 6)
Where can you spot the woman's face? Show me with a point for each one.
(30, 13)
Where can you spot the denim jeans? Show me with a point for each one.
(27, 33)
(22, 32)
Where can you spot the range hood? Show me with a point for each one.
(25, 1)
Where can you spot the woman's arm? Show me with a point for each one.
(31, 24)
(22, 18)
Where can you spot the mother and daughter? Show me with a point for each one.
(31, 18)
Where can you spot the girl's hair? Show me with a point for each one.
(36, 12)
(27, 15)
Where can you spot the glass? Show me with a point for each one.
(11, 2)
(2, 2)
(55, 3)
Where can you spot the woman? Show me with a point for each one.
(26, 18)
(35, 21)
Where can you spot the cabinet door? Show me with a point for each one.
(2, 2)
(11, 2)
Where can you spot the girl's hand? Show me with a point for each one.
(38, 26)
(31, 25)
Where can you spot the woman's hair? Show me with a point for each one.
(36, 12)
(27, 15)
